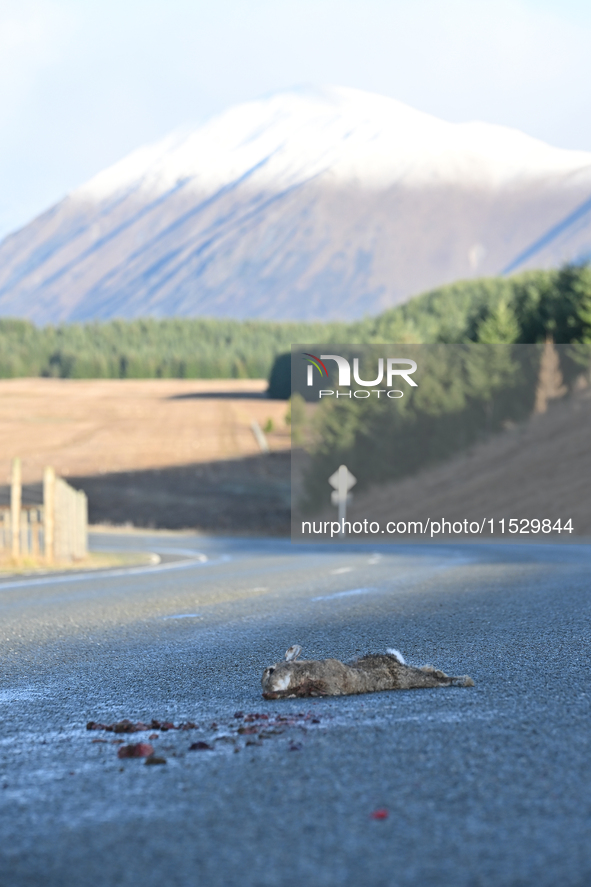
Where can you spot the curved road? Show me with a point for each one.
(480, 787)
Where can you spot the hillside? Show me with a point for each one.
(535, 470)
(524, 308)
(306, 205)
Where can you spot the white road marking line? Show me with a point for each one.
(185, 616)
(8, 697)
(110, 574)
(341, 570)
(190, 552)
(352, 591)
(409, 578)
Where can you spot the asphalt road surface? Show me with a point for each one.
(478, 787)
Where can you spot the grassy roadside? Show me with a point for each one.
(96, 560)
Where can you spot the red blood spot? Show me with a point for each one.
(379, 814)
(124, 726)
(136, 750)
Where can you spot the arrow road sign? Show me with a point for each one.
(342, 481)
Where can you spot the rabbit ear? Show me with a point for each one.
(292, 654)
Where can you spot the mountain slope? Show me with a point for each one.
(309, 204)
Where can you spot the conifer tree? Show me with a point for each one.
(550, 382)
(582, 289)
(500, 327)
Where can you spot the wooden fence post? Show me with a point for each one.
(34, 519)
(24, 532)
(84, 521)
(80, 550)
(15, 507)
(71, 522)
(62, 544)
(49, 513)
(62, 525)
(6, 530)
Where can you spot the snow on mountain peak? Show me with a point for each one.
(314, 203)
(339, 134)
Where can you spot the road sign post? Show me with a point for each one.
(342, 481)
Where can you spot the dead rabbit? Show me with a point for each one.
(330, 677)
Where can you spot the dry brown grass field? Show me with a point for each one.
(162, 453)
(182, 454)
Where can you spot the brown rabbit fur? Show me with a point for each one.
(330, 677)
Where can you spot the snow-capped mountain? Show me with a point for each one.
(309, 204)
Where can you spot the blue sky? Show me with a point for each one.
(83, 82)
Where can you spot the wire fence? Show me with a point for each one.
(52, 531)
